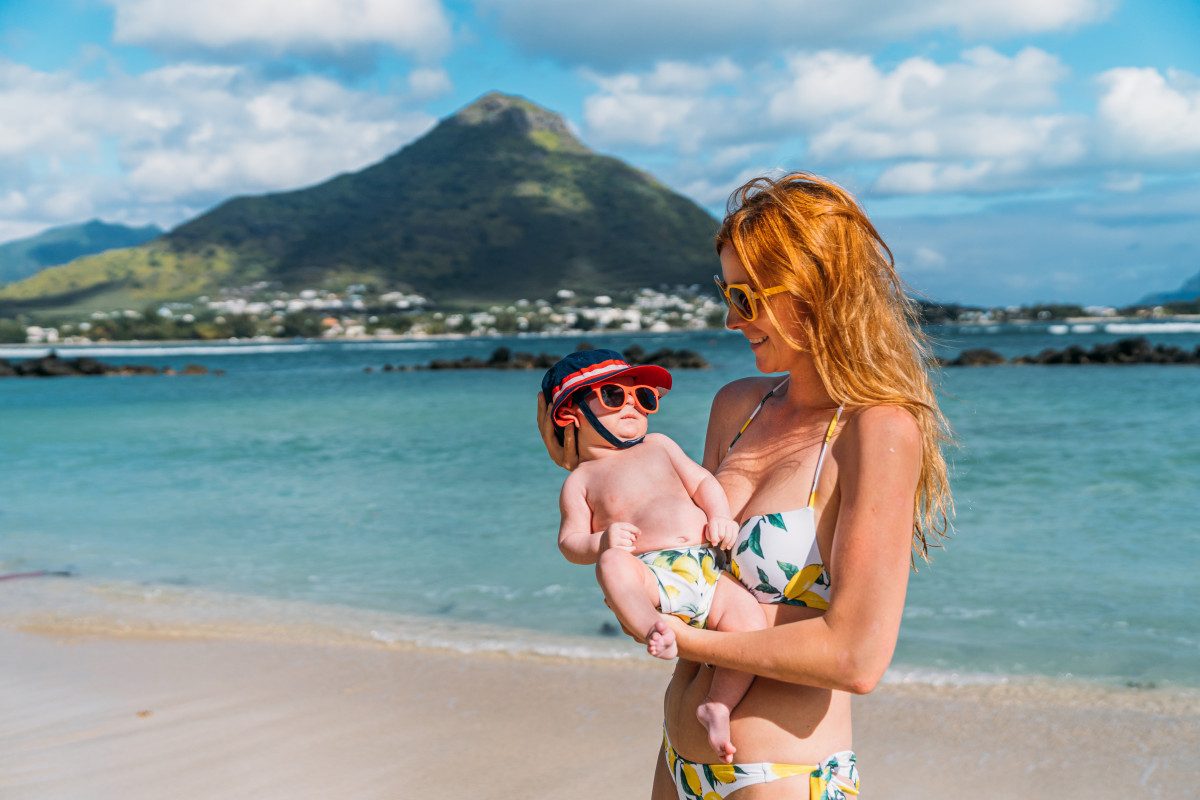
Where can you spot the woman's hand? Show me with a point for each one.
(566, 455)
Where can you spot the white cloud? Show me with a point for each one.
(619, 34)
(415, 27)
(1124, 182)
(978, 107)
(1098, 252)
(666, 106)
(928, 259)
(991, 18)
(926, 177)
(427, 83)
(165, 144)
(1149, 116)
(984, 122)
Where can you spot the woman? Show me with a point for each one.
(836, 475)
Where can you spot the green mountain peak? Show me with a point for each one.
(499, 201)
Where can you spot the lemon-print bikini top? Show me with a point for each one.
(776, 555)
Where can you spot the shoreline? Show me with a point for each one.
(106, 717)
(1038, 325)
(399, 337)
(124, 610)
(122, 690)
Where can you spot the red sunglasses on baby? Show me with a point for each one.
(614, 396)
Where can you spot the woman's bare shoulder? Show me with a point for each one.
(731, 407)
(736, 396)
(873, 431)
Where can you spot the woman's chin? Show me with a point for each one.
(763, 360)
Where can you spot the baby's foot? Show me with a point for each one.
(715, 719)
(660, 642)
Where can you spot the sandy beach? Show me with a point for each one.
(141, 710)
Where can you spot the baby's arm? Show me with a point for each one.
(575, 537)
(706, 493)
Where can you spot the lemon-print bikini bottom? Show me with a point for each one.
(687, 581)
(836, 778)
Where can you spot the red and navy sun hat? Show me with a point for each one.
(586, 367)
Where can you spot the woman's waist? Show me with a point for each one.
(776, 722)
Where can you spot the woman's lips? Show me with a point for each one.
(756, 342)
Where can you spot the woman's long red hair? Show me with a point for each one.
(850, 310)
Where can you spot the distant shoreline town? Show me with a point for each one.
(260, 312)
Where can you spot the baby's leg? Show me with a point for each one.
(630, 589)
(734, 609)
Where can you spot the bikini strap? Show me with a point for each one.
(812, 495)
(757, 409)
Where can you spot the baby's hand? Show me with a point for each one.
(721, 532)
(621, 535)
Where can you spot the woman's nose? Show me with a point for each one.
(733, 320)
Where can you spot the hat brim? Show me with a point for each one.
(650, 374)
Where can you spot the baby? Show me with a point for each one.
(648, 517)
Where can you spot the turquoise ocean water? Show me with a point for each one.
(299, 476)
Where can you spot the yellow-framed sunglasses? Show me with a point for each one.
(742, 298)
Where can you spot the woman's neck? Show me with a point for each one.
(805, 388)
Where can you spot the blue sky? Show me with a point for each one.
(1011, 151)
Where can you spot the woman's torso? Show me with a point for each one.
(768, 478)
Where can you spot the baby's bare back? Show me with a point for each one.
(642, 487)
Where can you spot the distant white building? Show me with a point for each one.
(36, 334)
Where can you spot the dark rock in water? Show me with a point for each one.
(579, 348)
(1137, 350)
(977, 357)
(504, 358)
(133, 369)
(609, 629)
(89, 366)
(51, 366)
(668, 359)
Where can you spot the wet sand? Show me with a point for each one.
(146, 715)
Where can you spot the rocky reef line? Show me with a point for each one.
(1137, 350)
(51, 366)
(504, 358)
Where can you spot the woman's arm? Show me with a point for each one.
(851, 645)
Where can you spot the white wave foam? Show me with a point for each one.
(1152, 327)
(935, 677)
(514, 645)
(133, 351)
(388, 345)
(209, 349)
(1058, 330)
(1083, 328)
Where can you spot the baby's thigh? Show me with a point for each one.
(734, 608)
(621, 573)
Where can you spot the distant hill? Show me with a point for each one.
(21, 258)
(497, 202)
(1189, 291)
